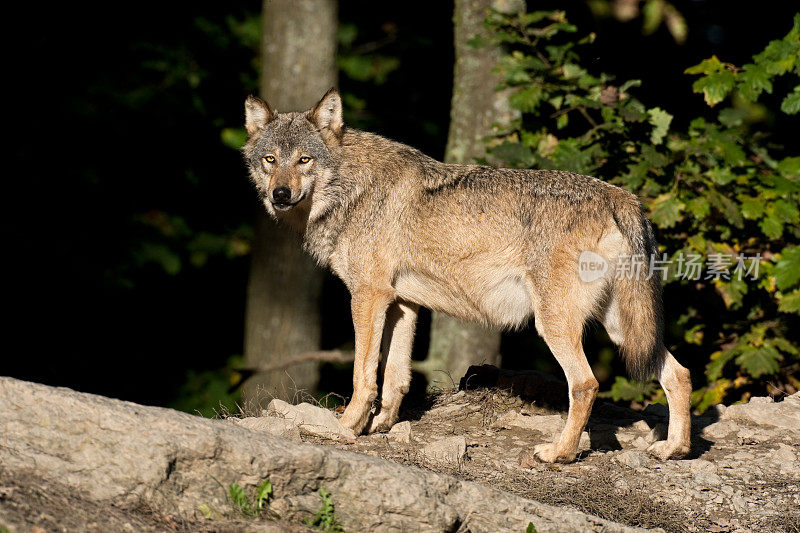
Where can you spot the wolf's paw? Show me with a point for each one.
(664, 449)
(355, 417)
(544, 453)
(380, 423)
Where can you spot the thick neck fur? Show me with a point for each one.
(362, 159)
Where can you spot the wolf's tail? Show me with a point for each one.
(641, 314)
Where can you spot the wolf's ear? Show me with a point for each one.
(257, 114)
(327, 114)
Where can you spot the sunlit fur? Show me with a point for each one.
(495, 246)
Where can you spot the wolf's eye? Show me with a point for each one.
(303, 160)
(269, 158)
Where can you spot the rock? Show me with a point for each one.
(753, 435)
(623, 437)
(640, 443)
(784, 454)
(641, 426)
(585, 442)
(764, 411)
(761, 399)
(121, 454)
(447, 450)
(719, 430)
(631, 458)
(548, 425)
(311, 420)
(280, 427)
(447, 410)
(401, 432)
(700, 465)
(707, 479)
(738, 502)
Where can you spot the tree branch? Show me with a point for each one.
(323, 356)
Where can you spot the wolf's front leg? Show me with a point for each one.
(369, 315)
(398, 339)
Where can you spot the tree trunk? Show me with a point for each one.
(283, 315)
(476, 107)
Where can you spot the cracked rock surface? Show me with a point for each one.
(106, 453)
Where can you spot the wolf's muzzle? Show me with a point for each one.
(282, 195)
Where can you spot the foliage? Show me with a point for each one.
(208, 391)
(531, 528)
(653, 12)
(242, 502)
(325, 518)
(719, 190)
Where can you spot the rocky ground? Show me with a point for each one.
(743, 473)
(77, 462)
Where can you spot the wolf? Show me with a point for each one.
(490, 245)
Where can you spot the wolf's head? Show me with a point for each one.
(288, 154)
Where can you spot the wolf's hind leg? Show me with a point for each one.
(562, 330)
(369, 315)
(398, 339)
(677, 385)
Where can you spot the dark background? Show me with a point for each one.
(126, 218)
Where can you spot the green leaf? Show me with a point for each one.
(787, 269)
(790, 167)
(715, 87)
(731, 117)
(233, 137)
(652, 13)
(516, 155)
(717, 363)
(754, 79)
(531, 528)
(528, 99)
(772, 226)
(346, 34)
(752, 207)
(205, 509)
(732, 292)
(694, 335)
(263, 493)
(713, 394)
(721, 175)
(531, 18)
(572, 71)
(239, 498)
(791, 104)
(789, 302)
(625, 390)
(699, 207)
(727, 207)
(786, 210)
(779, 57)
(570, 155)
(759, 361)
(665, 211)
(706, 66)
(660, 120)
(784, 345)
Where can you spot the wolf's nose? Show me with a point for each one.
(282, 195)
